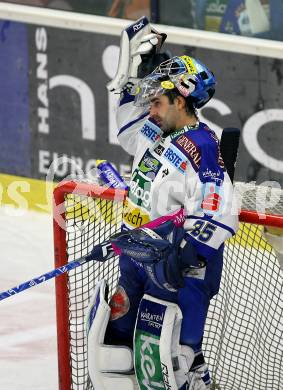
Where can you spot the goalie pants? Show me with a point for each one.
(193, 300)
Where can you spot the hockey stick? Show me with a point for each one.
(101, 252)
(229, 147)
(43, 278)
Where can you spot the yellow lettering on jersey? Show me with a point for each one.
(133, 215)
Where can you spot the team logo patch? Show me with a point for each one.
(119, 304)
(190, 149)
(149, 165)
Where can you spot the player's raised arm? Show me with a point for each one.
(139, 54)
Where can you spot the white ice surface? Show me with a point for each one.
(28, 356)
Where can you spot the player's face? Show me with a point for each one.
(164, 113)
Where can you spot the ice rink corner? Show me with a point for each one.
(28, 356)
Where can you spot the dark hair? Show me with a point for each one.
(173, 93)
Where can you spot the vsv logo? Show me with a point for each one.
(149, 166)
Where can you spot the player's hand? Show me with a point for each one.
(160, 253)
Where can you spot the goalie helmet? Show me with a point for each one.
(188, 76)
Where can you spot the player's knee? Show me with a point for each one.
(193, 329)
(192, 338)
(119, 304)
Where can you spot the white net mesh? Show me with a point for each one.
(262, 199)
(243, 337)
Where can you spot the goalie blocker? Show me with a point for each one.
(160, 361)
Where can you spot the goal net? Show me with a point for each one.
(243, 336)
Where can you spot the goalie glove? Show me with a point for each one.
(139, 42)
(163, 253)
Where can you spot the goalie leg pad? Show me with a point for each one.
(160, 361)
(106, 363)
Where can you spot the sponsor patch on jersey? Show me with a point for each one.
(190, 149)
(149, 165)
(212, 198)
(215, 175)
(159, 149)
(177, 159)
(150, 131)
(139, 191)
(177, 133)
(134, 216)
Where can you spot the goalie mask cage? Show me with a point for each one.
(243, 336)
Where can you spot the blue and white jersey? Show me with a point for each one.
(183, 168)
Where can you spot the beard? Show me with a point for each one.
(167, 127)
(162, 124)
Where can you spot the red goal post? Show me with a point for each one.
(86, 214)
(60, 212)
